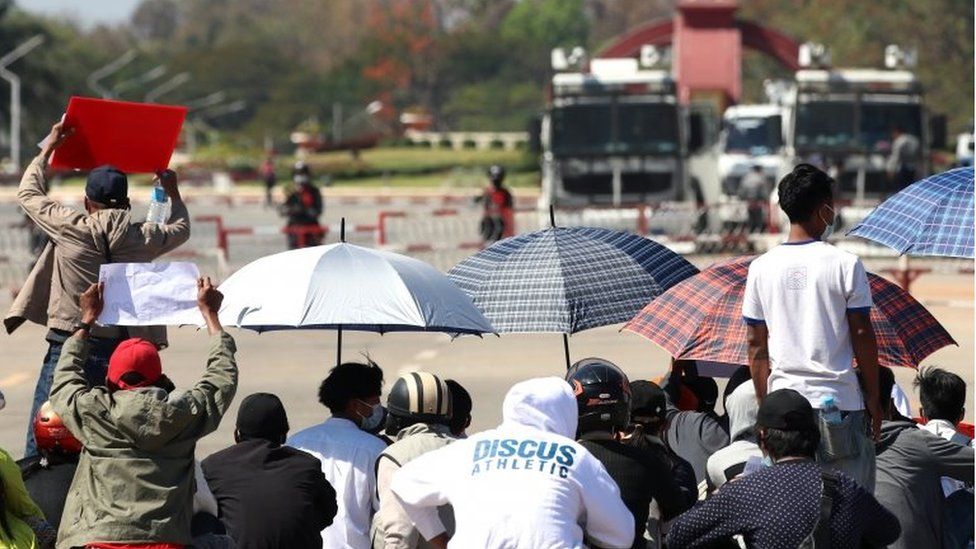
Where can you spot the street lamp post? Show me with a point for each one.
(112, 67)
(14, 81)
(152, 74)
(167, 86)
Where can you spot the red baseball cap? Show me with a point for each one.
(135, 355)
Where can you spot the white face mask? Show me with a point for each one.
(374, 419)
(829, 230)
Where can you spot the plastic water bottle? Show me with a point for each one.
(830, 411)
(159, 206)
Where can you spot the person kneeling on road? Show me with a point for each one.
(134, 483)
(269, 495)
(419, 413)
(526, 483)
(791, 502)
(603, 399)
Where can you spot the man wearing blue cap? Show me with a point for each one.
(80, 243)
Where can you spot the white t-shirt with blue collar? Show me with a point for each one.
(803, 292)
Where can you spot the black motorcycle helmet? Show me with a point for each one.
(496, 174)
(301, 173)
(602, 395)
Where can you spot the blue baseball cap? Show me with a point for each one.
(107, 185)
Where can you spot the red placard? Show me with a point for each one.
(133, 137)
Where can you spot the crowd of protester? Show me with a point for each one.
(808, 451)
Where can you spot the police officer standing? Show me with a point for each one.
(302, 208)
(498, 221)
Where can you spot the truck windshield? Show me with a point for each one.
(879, 119)
(615, 128)
(754, 135)
(825, 125)
(647, 128)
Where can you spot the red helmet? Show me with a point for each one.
(51, 434)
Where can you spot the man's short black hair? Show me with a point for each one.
(943, 394)
(349, 381)
(803, 190)
(460, 406)
(780, 443)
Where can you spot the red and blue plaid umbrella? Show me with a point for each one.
(700, 318)
(933, 216)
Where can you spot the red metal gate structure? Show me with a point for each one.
(707, 42)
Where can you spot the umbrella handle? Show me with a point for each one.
(339, 346)
(566, 348)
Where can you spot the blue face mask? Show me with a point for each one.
(829, 230)
(374, 419)
(767, 462)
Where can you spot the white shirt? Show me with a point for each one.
(348, 457)
(803, 291)
(523, 484)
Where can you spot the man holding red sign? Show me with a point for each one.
(80, 242)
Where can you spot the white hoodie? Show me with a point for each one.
(524, 484)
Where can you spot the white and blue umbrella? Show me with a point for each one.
(565, 280)
(347, 287)
(932, 217)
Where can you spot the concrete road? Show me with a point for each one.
(292, 364)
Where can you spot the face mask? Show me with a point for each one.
(301, 179)
(829, 230)
(374, 419)
(767, 462)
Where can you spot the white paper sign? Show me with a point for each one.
(149, 294)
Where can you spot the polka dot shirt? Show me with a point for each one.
(778, 507)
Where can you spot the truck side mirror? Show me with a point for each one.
(938, 132)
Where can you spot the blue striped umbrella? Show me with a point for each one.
(933, 216)
(565, 280)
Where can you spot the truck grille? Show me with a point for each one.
(631, 183)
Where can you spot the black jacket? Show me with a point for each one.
(641, 476)
(270, 496)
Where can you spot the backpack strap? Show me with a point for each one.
(829, 493)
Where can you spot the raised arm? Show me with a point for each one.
(70, 394)
(49, 215)
(166, 237)
(212, 395)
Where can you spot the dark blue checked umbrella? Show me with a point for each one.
(565, 280)
(933, 216)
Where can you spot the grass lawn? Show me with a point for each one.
(419, 159)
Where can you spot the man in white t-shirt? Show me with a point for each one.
(807, 305)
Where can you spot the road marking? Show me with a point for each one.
(428, 354)
(14, 379)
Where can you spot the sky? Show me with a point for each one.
(88, 12)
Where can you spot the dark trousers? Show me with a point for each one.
(95, 371)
